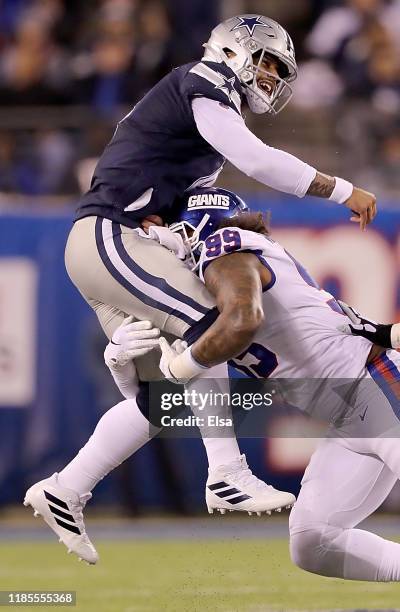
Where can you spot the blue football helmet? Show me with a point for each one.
(199, 214)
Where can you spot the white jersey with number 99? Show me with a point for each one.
(299, 336)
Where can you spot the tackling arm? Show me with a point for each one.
(236, 280)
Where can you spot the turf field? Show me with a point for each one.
(190, 576)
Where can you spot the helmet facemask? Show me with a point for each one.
(259, 100)
(191, 240)
(238, 41)
(195, 225)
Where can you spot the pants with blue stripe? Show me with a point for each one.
(350, 475)
(120, 273)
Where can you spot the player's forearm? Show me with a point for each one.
(226, 131)
(322, 186)
(336, 189)
(236, 281)
(225, 339)
(229, 336)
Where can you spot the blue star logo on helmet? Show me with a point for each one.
(228, 86)
(250, 23)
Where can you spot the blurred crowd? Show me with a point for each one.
(103, 55)
(351, 64)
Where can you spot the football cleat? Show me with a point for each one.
(62, 510)
(234, 487)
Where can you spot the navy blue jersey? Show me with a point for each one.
(157, 153)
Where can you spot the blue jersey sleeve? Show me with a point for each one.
(214, 81)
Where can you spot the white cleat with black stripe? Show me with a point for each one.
(234, 487)
(62, 510)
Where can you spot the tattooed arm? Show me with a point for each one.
(236, 281)
(322, 186)
(361, 203)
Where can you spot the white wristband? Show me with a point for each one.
(395, 335)
(342, 191)
(185, 367)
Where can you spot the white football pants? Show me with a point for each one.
(349, 476)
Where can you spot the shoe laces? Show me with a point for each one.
(243, 475)
(77, 506)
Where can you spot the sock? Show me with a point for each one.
(221, 451)
(220, 442)
(120, 432)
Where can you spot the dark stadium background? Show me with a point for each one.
(68, 71)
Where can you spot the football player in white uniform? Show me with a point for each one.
(275, 321)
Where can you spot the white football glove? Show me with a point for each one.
(168, 354)
(355, 317)
(177, 363)
(129, 341)
(179, 346)
(387, 336)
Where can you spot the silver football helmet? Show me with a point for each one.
(242, 42)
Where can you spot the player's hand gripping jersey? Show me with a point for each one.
(299, 337)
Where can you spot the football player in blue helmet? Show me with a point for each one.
(273, 321)
(200, 213)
